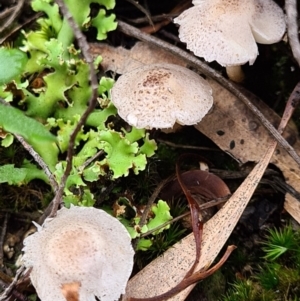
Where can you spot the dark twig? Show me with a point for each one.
(2, 236)
(149, 205)
(18, 27)
(92, 103)
(204, 206)
(175, 145)
(292, 27)
(12, 285)
(151, 201)
(157, 18)
(206, 70)
(13, 16)
(90, 160)
(37, 158)
(143, 10)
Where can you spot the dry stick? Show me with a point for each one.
(227, 217)
(17, 28)
(206, 70)
(292, 28)
(13, 16)
(179, 8)
(37, 158)
(143, 10)
(175, 145)
(2, 236)
(90, 160)
(92, 103)
(207, 205)
(156, 18)
(151, 200)
(148, 207)
(12, 285)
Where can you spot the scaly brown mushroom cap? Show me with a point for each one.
(81, 247)
(158, 95)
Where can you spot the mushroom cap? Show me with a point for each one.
(226, 31)
(80, 245)
(268, 22)
(158, 95)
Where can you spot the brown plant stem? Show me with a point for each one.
(191, 279)
(84, 46)
(37, 158)
(16, 11)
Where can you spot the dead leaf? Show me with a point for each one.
(199, 182)
(236, 131)
(121, 60)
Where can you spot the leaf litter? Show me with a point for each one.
(177, 260)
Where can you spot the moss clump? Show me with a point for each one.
(278, 273)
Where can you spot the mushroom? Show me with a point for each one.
(226, 31)
(158, 95)
(80, 254)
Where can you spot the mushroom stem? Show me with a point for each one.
(235, 73)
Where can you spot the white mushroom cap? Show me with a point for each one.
(158, 95)
(268, 22)
(81, 247)
(226, 31)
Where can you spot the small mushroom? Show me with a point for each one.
(226, 31)
(80, 254)
(158, 95)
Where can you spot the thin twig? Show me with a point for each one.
(206, 70)
(151, 201)
(12, 285)
(175, 145)
(13, 16)
(292, 27)
(90, 160)
(149, 206)
(157, 18)
(18, 27)
(37, 158)
(211, 203)
(143, 10)
(3, 232)
(279, 183)
(173, 220)
(82, 42)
